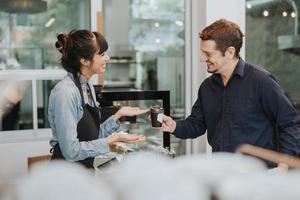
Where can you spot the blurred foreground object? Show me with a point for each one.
(260, 187)
(61, 180)
(268, 155)
(155, 176)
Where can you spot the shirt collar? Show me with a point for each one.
(239, 68)
(82, 79)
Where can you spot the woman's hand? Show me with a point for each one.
(128, 111)
(125, 138)
(114, 139)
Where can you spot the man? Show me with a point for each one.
(239, 103)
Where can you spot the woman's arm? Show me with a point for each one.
(112, 124)
(108, 127)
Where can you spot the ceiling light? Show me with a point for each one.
(284, 13)
(293, 14)
(265, 13)
(50, 22)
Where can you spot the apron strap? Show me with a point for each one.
(91, 95)
(78, 85)
(95, 105)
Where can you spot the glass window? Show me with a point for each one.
(16, 105)
(43, 89)
(272, 41)
(27, 37)
(146, 46)
(147, 52)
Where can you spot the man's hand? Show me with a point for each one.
(281, 167)
(168, 124)
(128, 111)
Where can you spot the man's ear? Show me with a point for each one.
(230, 52)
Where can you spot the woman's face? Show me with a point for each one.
(99, 62)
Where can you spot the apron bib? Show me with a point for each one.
(87, 127)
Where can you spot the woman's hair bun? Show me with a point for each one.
(61, 42)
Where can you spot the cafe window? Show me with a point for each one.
(272, 41)
(146, 46)
(27, 36)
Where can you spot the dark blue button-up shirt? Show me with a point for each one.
(247, 110)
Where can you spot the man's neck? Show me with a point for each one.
(229, 68)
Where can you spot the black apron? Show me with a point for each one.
(87, 127)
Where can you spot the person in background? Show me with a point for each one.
(73, 113)
(10, 96)
(240, 102)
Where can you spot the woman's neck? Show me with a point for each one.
(86, 75)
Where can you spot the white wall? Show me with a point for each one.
(201, 13)
(96, 6)
(13, 157)
(233, 10)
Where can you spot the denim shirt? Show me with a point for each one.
(65, 111)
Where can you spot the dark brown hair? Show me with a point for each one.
(79, 44)
(225, 33)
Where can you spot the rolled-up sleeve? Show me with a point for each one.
(108, 127)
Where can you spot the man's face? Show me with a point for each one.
(214, 59)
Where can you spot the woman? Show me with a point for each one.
(74, 116)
